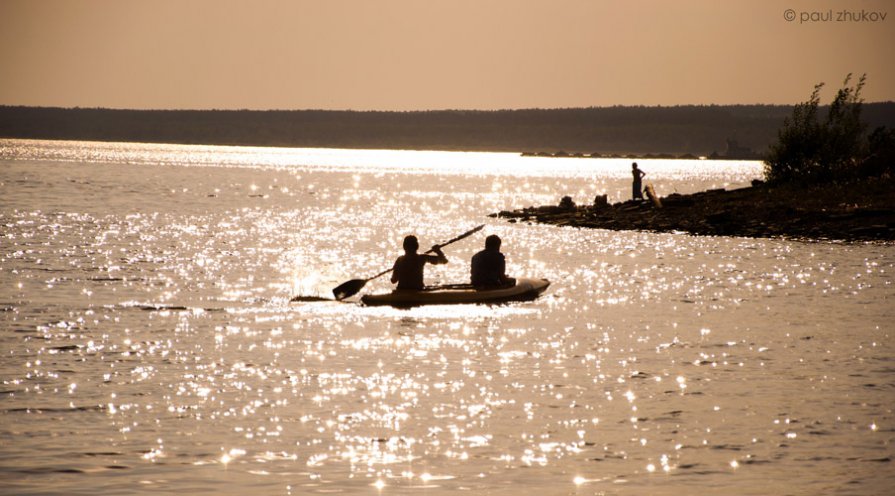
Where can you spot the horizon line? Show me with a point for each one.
(524, 109)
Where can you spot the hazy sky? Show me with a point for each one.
(436, 54)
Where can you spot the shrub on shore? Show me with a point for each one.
(810, 148)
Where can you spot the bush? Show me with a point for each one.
(811, 149)
(881, 153)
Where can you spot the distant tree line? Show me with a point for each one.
(698, 130)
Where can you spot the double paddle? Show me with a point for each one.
(351, 288)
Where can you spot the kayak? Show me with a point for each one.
(524, 289)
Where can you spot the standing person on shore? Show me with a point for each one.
(489, 266)
(408, 269)
(637, 186)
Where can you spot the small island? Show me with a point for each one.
(826, 178)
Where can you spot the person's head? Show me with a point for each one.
(634, 166)
(411, 244)
(492, 242)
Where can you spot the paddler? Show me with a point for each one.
(408, 270)
(489, 266)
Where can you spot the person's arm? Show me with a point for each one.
(475, 268)
(439, 257)
(395, 271)
(502, 266)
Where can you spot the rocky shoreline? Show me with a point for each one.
(859, 210)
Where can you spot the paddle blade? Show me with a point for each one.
(348, 289)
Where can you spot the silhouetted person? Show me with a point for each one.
(408, 269)
(489, 266)
(637, 186)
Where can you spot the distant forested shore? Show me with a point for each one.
(725, 130)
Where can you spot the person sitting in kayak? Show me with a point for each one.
(489, 266)
(408, 269)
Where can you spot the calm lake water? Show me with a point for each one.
(149, 343)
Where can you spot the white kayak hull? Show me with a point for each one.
(525, 289)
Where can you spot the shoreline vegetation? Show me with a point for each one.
(828, 176)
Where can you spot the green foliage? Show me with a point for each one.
(809, 148)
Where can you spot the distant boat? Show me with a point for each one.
(524, 289)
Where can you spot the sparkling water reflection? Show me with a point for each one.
(149, 342)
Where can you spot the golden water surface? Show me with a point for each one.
(149, 343)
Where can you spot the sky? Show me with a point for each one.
(408, 55)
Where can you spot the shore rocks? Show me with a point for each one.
(862, 210)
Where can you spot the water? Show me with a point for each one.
(149, 345)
